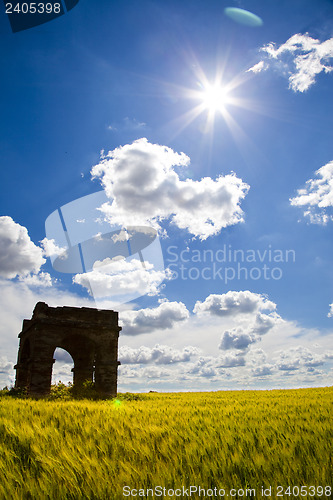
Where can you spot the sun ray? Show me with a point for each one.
(215, 99)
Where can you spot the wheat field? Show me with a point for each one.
(233, 441)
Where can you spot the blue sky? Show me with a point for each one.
(234, 123)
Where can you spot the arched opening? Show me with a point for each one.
(63, 367)
(75, 360)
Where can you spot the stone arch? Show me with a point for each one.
(23, 360)
(89, 335)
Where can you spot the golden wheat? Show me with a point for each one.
(236, 439)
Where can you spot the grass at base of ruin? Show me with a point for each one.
(65, 449)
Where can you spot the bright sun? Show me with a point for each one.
(214, 100)
(214, 97)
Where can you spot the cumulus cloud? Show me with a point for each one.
(233, 303)
(41, 279)
(317, 196)
(62, 373)
(51, 249)
(209, 366)
(121, 277)
(205, 366)
(301, 58)
(279, 362)
(299, 357)
(243, 311)
(152, 372)
(163, 317)
(160, 354)
(207, 372)
(156, 373)
(240, 339)
(237, 338)
(262, 371)
(265, 322)
(231, 360)
(257, 356)
(19, 256)
(6, 367)
(143, 186)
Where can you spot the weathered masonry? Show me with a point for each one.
(89, 335)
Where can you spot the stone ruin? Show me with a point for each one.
(89, 335)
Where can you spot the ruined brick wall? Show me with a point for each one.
(89, 335)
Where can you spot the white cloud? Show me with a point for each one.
(317, 196)
(19, 256)
(244, 308)
(232, 303)
(330, 314)
(119, 277)
(209, 366)
(208, 371)
(257, 356)
(237, 339)
(299, 357)
(148, 320)
(6, 367)
(156, 373)
(121, 236)
(205, 366)
(257, 68)
(37, 280)
(62, 373)
(160, 354)
(231, 360)
(262, 371)
(51, 249)
(257, 365)
(265, 322)
(141, 181)
(301, 58)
